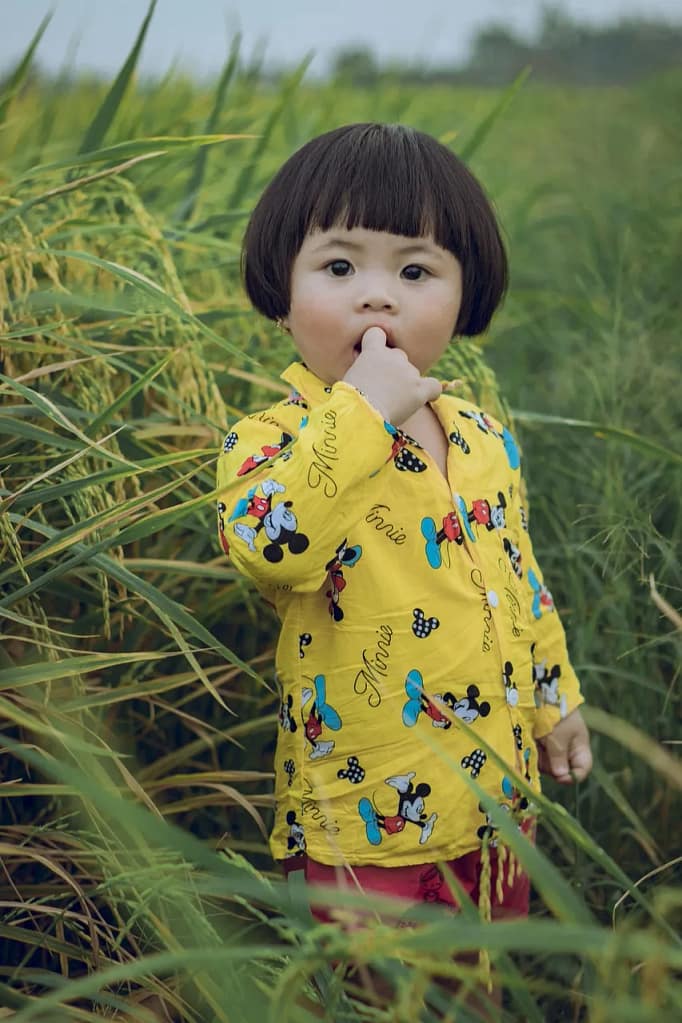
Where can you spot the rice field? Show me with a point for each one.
(136, 668)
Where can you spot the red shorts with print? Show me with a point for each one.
(426, 882)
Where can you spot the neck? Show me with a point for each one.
(423, 415)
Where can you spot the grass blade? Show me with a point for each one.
(113, 99)
(194, 186)
(126, 150)
(249, 167)
(484, 128)
(162, 300)
(603, 430)
(129, 393)
(43, 495)
(47, 671)
(20, 72)
(54, 413)
(154, 597)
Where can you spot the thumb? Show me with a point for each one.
(553, 758)
(373, 339)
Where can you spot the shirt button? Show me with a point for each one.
(493, 599)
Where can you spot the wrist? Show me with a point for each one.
(367, 393)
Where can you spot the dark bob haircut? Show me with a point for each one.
(383, 177)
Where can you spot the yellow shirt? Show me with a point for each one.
(408, 603)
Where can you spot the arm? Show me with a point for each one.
(560, 732)
(286, 520)
(291, 487)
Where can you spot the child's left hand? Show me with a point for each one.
(565, 752)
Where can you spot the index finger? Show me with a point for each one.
(373, 339)
(431, 388)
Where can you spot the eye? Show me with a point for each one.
(339, 267)
(414, 272)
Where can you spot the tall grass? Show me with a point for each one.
(136, 668)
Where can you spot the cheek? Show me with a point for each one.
(311, 309)
(450, 311)
(315, 321)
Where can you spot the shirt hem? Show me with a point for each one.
(428, 856)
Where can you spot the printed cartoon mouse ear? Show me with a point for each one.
(273, 553)
(240, 509)
(511, 449)
(298, 543)
(369, 816)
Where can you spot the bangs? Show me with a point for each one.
(379, 181)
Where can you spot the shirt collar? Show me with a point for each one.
(316, 391)
(306, 383)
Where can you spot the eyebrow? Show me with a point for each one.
(338, 241)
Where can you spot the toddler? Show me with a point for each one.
(383, 519)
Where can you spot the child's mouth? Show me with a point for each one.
(390, 343)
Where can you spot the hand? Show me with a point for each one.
(388, 379)
(565, 752)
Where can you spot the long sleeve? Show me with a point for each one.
(557, 689)
(292, 482)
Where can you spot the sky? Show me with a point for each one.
(97, 34)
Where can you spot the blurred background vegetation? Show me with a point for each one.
(561, 50)
(136, 670)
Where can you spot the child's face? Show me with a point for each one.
(344, 281)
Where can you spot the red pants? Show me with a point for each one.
(425, 882)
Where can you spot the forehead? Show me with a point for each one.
(365, 240)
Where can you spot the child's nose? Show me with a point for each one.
(377, 296)
(379, 303)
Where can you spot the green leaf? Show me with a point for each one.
(157, 145)
(249, 166)
(604, 779)
(484, 128)
(603, 430)
(102, 120)
(638, 743)
(126, 396)
(187, 569)
(53, 470)
(46, 671)
(16, 428)
(26, 717)
(43, 495)
(54, 413)
(17, 77)
(188, 205)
